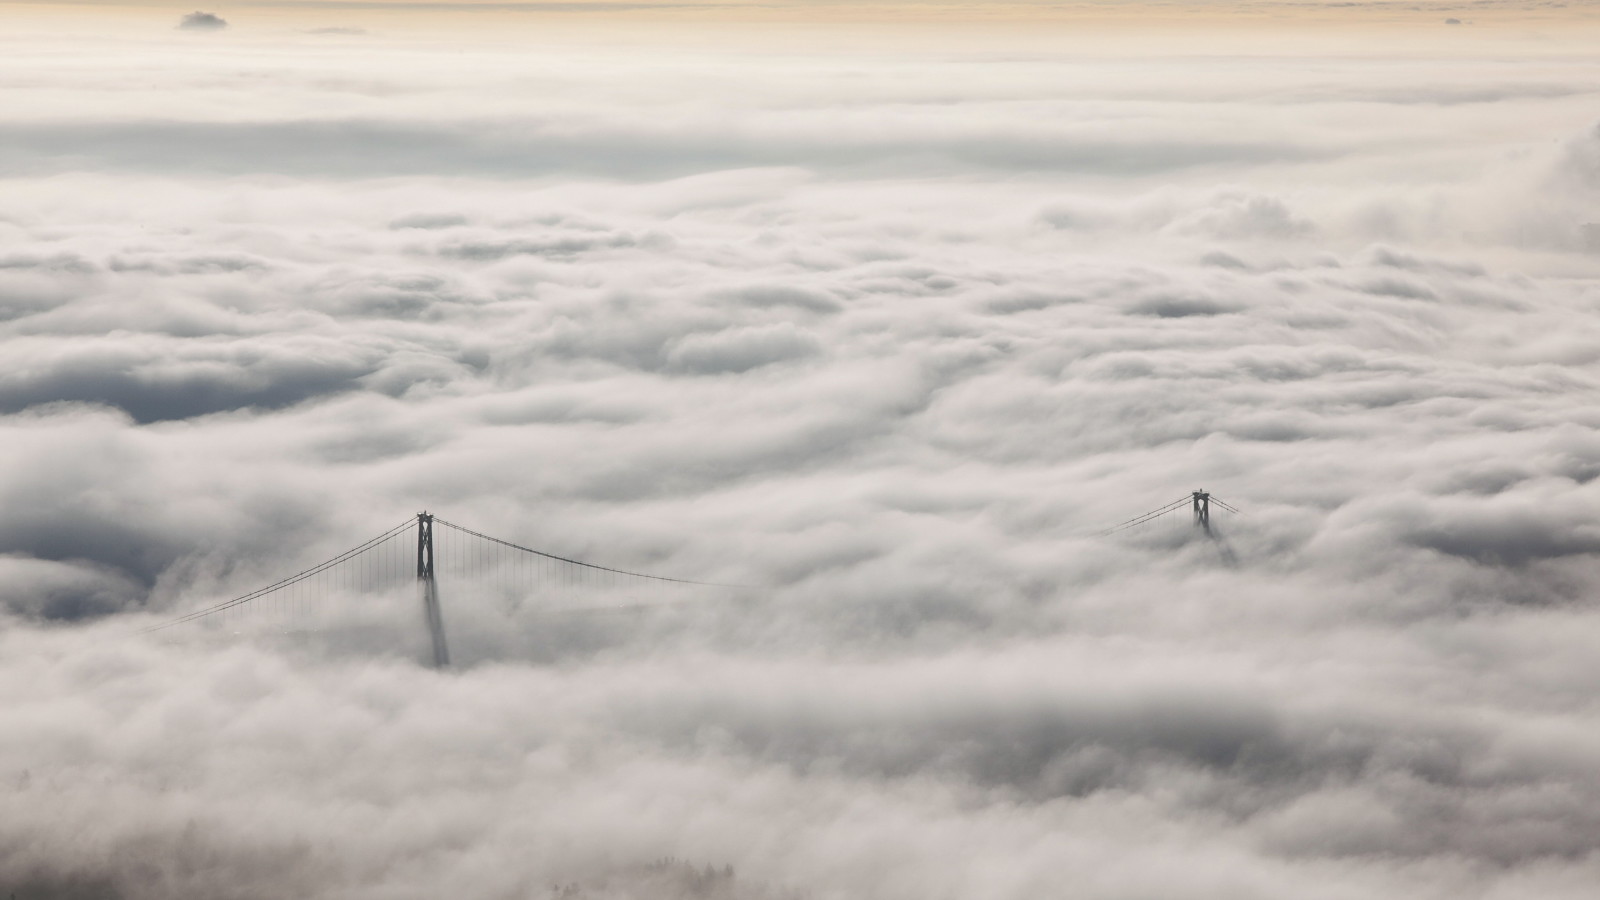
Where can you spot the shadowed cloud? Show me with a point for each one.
(890, 338)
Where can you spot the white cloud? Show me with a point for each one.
(889, 337)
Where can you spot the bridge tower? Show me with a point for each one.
(430, 590)
(1202, 511)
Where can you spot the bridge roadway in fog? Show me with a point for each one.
(386, 563)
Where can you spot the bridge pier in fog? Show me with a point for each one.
(428, 587)
(1202, 511)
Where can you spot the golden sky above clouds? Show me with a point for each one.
(1502, 15)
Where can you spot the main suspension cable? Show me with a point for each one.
(579, 562)
(279, 585)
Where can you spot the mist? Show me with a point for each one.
(886, 336)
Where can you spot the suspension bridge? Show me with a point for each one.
(417, 553)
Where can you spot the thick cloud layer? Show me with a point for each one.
(890, 337)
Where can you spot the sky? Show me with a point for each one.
(885, 313)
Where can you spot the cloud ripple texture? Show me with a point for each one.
(888, 336)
